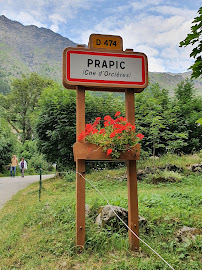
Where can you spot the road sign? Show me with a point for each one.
(106, 42)
(94, 69)
(104, 66)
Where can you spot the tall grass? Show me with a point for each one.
(41, 235)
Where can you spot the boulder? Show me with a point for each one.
(87, 210)
(186, 233)
(174, 168)
(197, 168)
(106, 216)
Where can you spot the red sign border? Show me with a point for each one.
(68, 52)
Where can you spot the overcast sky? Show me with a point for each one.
(154, 27)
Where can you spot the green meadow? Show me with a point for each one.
(41, 234)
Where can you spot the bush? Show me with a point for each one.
(69, 176)
(7, 143)
(35, 160)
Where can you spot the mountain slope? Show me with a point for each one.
(26, 49)
(170, 80)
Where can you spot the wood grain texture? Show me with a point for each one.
(90, 151)
(80, 168)
(132, 178)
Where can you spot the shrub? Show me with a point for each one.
(7, 143)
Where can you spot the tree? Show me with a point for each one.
(156, 119)
(56, 120)
(194, 38)
(24, 99)
(188, 110)
(4, 84)
(7, 143)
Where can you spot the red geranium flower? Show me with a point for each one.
(107, 117)
(95, 131)
(117, 114)
(119, 134)
(122, 119)
(140, 136)
(81, 136)
(109, 151)
(97, 121)
(112, 135)
(102, 131)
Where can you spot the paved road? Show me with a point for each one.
(10, 186)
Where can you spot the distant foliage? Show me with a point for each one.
(23, 100)
(168, 124)
(156, 119)
(4, 85)
(7, 143)
(56, 121)
(46, 113)
(34, 158)
(188, 110)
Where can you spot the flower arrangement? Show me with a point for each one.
(115, 137)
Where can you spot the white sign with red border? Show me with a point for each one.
(106, 69)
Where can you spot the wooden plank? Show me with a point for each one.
(90, 151)
(80, 204)
(80, 167)
(132, 178)
(80, 110)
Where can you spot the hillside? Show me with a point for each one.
(170, 80)
(26, 49)
(41, 235)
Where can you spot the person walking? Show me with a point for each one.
(23, 166)
(14, 163)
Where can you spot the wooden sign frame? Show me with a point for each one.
(81, 152)
(104, 84)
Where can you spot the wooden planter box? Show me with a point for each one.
(90, 151)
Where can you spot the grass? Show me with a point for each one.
(41, 235)
(180, 161)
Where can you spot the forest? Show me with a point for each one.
(38, 119)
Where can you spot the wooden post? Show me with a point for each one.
(80, 167)
(132, 177)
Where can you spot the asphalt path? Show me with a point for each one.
(10, 186)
